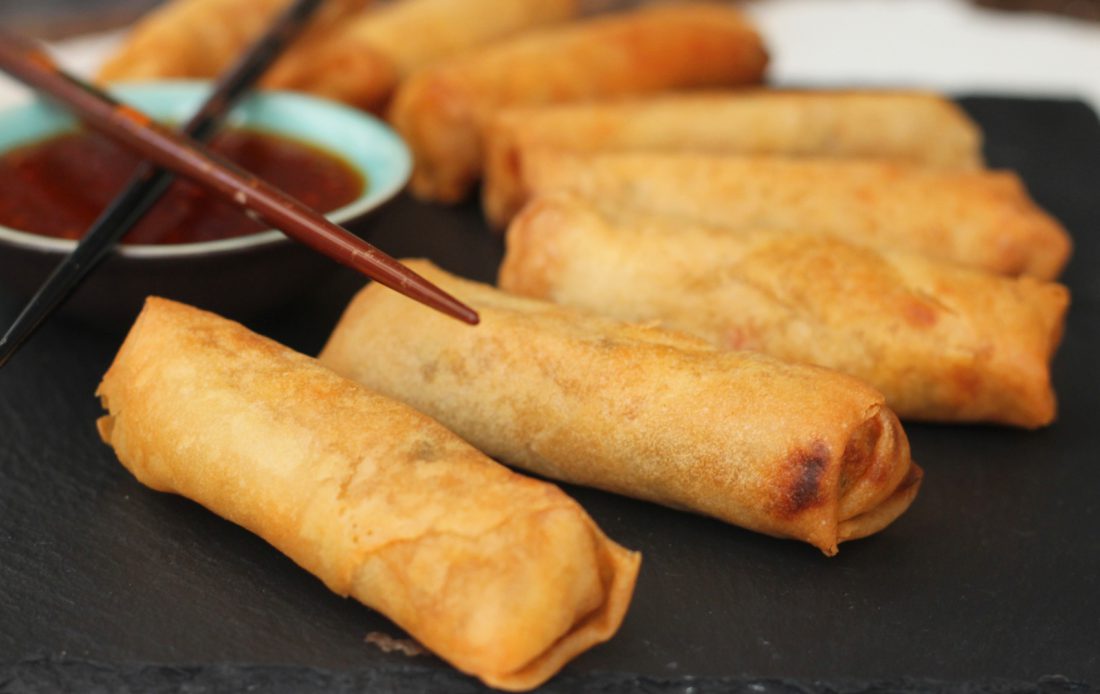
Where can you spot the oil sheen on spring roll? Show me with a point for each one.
(914, 127)
(441, 110)
(789, 450)
(942, 342)
(407, 35)
(503, 576)
(201, 38)
(983, 219)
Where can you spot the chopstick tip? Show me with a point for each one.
(451, 306)
(395, 275)
(469, 316)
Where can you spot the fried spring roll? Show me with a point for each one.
(942, 342)
(440, 110)
(913, 127)
(789, 450)
(201, 38)
(503, 576)
(981, 219)
(408, 35)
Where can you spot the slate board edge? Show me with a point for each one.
(54, 674)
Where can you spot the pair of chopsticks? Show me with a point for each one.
(183, 154)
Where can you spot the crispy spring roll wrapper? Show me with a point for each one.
(503, 576)
(982, 219)
(942, 342)
(408, 35)
(789, 450)
(441, 110)
(363, 78)
(201, 38)
(914, 127)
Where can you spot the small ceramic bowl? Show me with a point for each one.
(238, 276)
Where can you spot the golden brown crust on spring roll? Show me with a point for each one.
(914, 127)
(363, 78)
(942, 342)
(440, 110)
(407, 35)
(981, 219)
(503, 576)
(201, 38)
(789, 450)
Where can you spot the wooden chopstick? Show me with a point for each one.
(149, 183)
(27, 62)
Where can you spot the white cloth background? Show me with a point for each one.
(950, 45)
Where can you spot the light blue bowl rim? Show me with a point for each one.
(366, 143)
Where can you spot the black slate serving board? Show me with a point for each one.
(991, 582)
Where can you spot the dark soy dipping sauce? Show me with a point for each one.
(57, 187)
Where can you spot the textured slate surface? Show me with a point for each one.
(989, 583)
(49, 675)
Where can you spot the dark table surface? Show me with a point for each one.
(991, 581)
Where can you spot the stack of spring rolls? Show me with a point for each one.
(857, 231)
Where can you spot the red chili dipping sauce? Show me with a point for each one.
(59, 186)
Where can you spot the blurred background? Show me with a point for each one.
(1036, 48)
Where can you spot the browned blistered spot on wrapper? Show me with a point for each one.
(428, 370)
(806, 473)
(966, 381)
(919, 314)
(513, 163)
(859, 453)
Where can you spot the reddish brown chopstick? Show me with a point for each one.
(30, 64)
